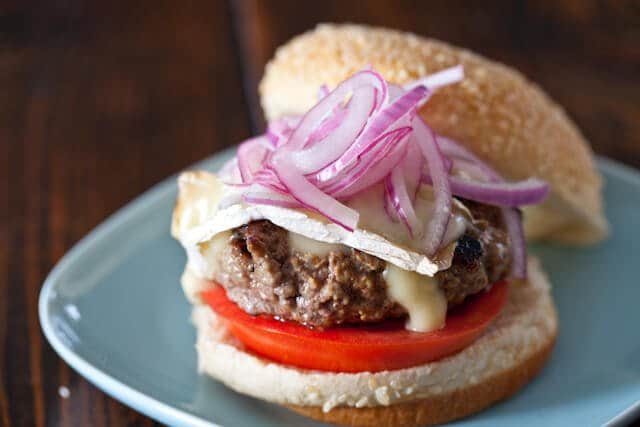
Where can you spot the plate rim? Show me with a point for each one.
(126, 394)
(155, 408)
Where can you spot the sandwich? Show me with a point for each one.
(363, 262)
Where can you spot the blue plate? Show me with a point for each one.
(114, 311)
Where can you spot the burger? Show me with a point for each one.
(363, 262)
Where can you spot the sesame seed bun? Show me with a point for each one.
(507, 356)
(495, 111)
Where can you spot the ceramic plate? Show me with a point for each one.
(114, 311)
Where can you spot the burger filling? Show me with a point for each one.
(378, 196)
(265, 269)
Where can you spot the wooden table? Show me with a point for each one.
(100, 100)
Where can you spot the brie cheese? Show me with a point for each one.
(198, 219)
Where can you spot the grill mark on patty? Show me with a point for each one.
(263, 276)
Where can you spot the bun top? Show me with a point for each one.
(495, 111)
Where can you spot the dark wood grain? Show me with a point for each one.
(100, 100)
(586, 54)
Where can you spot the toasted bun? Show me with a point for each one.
(507, 120)
(506, 357)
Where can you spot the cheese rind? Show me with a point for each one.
(420, 295)
(197, 219)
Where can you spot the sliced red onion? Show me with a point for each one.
(279, 131)
(452, 148)
(396, 189)
(366, 132)
(381, 123)
(412, 167)
(327, 126)
(269, 179)
(266, 197)
(251, 156)
(314, 157)
(474, 171)
(374, 166)
(513, 222)
(426, 140)
(395, 91)
(368, 92)
(512, 217)
(506, 194)
(441, 78)
(455, 150)
(311, 197)
(323, 91)
(389, 208)
(332, 173)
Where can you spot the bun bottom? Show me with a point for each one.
(510, 353)
(437, 409)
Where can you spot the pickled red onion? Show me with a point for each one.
(366, 132)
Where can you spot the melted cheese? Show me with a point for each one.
(455, 229)
(373, 217)
(300, 243)
(420, 295)
(209, 249)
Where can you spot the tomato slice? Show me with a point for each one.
(376, 347)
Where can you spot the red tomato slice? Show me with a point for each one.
(377, 347)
